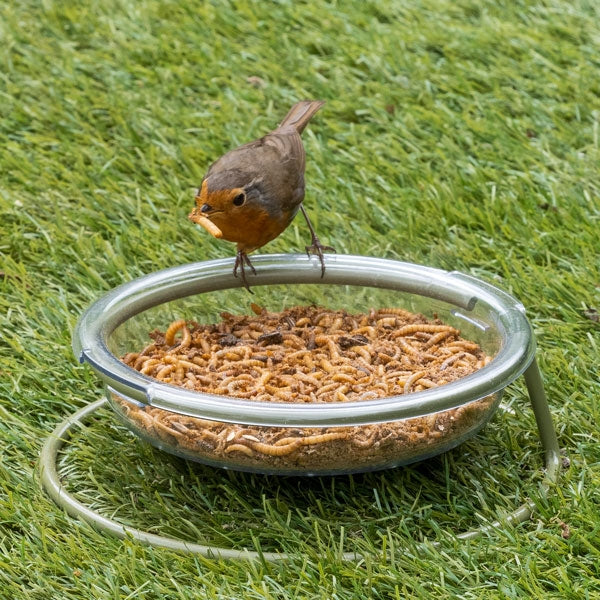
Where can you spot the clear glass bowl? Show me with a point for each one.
(328, 438)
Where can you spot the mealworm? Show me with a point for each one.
(204, 345)
(450, 360)
(307, 378)
(364, 364)
(312, 439)
(211, 435)
(421, 335)
(342, 377)
(143, 355)
(412, 379)
(272, 450)
(293, 357)
(326, 388)
(173, 328)
(364, 443)
(130, 357)
(205, 222)
(234, 385)
(179, 427)
(294, 340)
(427, 383)
(333, 351)
(464, 344)
(386, 358)
(422, 328)
(321, 339)
(397, 312)
(227, 354)
(272, 389)
(400, 373)
(337, 324)
(233, 367)
(148, 365)
(370, 395)
(436, 339)
(323, 437)
(289, 380)
(368, 330)
(323, 316)
(387, 322)
(164, 371)
(340, 394)
(327, 366)
(139, 362)
(166, 429)
(251, 363)
(143, 418)
(408, 348)
(239, 448)
(186, 340)
(191, 366)
(308, 361)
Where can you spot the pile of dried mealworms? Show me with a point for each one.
(306, 354)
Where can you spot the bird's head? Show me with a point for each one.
(231, 207)
(219, 204)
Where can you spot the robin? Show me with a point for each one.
(252, 193)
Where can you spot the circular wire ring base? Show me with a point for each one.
(51, 482)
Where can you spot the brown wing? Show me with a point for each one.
(271, 150)
(277, 160)
(289, 146)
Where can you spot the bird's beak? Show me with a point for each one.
(199, 212)
(200, 219)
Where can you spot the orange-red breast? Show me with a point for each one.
(252, 193)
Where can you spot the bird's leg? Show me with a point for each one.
(315, 247)
(240, 258)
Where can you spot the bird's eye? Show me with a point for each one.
(239, 199)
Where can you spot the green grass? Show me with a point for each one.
(458, 134)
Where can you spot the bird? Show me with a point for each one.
(252, 193)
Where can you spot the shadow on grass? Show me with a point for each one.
(109, 469)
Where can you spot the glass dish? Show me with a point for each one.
(324, 438)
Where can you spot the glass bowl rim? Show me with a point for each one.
(97, 323)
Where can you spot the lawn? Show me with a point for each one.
(461, 135)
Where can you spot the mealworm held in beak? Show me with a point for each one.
(206, 223)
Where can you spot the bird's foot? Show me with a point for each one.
(242, 258)
(317, 249)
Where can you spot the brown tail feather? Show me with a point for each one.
(300, 114)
